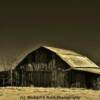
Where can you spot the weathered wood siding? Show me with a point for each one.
(45, 69)
(41, 68)
(77, 79)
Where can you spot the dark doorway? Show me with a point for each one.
(88, 81)
(42, 78)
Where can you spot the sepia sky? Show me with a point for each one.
(71, 25)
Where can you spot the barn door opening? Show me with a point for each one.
(88, 81)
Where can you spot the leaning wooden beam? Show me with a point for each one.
(68, 69)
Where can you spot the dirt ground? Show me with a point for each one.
(31, 93)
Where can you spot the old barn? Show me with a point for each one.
(55, 67)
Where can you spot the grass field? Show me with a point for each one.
(31, 93)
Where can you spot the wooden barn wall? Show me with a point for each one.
(77, 79)
(44, 68)
(41, 63)
(84, 79)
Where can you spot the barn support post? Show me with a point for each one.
(22, 79)
(67, 77)
(11, 77)
(3, 82)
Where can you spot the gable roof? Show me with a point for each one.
(76, 60)
(72, 58)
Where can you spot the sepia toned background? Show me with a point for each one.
(74, 24)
